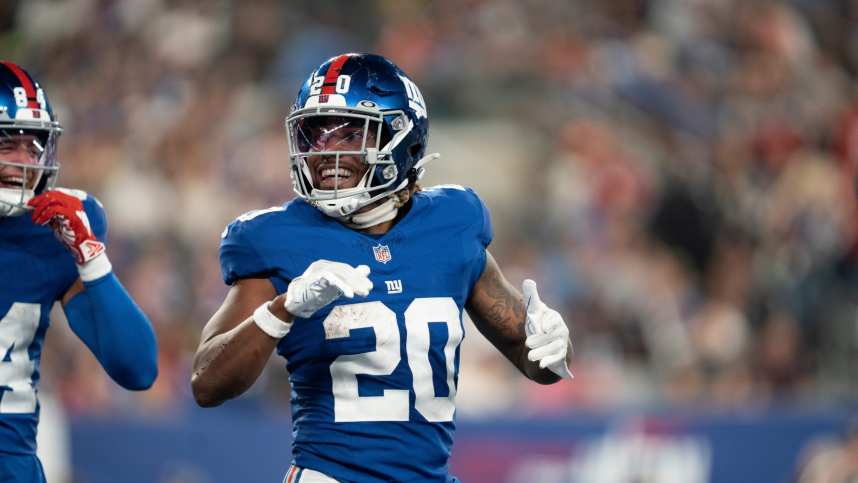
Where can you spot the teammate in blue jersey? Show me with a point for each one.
(360, 284)
(52, 248)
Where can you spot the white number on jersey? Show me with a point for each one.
(393, 404)
(17, 329)
(348, 406)
(418, 316)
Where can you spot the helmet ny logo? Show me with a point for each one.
(382, 253)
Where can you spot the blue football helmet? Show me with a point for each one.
(384, 113)
(26, 120)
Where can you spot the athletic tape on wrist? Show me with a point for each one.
(95, 268)
(269, 323)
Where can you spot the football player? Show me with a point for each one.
(52, 248)
(360, 284)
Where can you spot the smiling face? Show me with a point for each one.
(339, 143)
(17, 153)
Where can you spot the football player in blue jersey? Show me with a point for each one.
(360, 284)
(52, 248)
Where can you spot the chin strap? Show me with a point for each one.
(13, 202)
(381, 213)
(419, 166)
(387, 210)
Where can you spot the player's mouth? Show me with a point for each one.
(332, 178)
(12, 181)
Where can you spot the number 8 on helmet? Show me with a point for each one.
(28, 140)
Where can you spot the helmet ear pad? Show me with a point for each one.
(416, 151)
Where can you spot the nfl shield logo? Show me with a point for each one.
(382, 253)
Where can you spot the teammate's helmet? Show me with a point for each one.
(25, 114)
(373, 97)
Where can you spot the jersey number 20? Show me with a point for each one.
(393, 404)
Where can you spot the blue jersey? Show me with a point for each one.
(36, 270)
(373, 379)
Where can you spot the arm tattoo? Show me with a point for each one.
(498, 312)
(506, 312)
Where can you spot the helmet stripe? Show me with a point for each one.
(333, 73)
(22, 76)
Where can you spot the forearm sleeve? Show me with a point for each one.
(109, 322)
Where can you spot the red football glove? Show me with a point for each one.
(64, 213)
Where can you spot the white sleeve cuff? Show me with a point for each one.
(95, 268)
(269, 323)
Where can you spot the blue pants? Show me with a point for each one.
(21, 468)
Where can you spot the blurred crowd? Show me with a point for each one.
(686, 196)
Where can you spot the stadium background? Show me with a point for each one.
(678, 174)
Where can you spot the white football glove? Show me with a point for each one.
(547, 334)
(323, 282)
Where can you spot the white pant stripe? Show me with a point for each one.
(297, 474)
